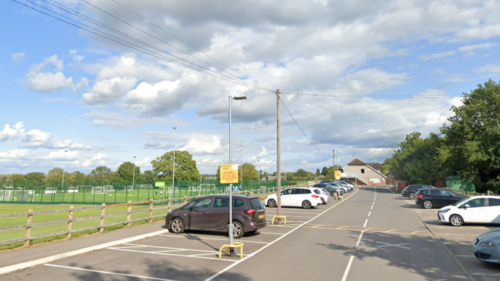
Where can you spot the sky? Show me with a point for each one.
(105, 82)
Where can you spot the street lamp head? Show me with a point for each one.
(175, 128)
(240, 98)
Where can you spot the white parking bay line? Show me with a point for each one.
(346, 272)
(108, 272)
(174, 255)
(273, 233)
(208, 238)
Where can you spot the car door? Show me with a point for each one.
(493, 210)
(199, 213)
(218, 216)
(296, 197)
(286, 196)
(475, 212)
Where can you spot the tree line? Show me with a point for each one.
(185, 170)
(468, 146)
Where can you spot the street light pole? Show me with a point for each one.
(62, 183)
(133, 176)
(230, 226)
(173, 165)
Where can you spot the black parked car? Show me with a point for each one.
(211, 213)
(436, 198)
(410, 190)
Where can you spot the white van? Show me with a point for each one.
(477, 209)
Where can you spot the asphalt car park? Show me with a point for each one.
(192, 255)
(458, 241)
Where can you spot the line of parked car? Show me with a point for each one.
(457, 210)
(211, 212)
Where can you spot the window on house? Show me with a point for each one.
(362, 171)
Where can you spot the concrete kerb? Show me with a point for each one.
(24, 265)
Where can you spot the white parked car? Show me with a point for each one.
(477, 209)
(295, 197)
(325, 195)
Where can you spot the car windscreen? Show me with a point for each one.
(255, 204)
(317, 191)
(188, 205)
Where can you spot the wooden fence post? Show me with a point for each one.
(103, 214)
(28, 228)
(185, 200)
(129, 210)
(169, 204)
(70, 222)
(150, 210)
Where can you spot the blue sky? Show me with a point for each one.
(357, 76)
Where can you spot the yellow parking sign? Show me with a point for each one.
(229, 173)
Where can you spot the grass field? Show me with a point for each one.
(6, 209)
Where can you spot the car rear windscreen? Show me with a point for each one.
(255, 204)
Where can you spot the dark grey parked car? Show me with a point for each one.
(211, 213)
(410, 190)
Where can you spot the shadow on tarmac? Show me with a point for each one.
(163, 270)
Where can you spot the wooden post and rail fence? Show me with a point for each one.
(165, 205)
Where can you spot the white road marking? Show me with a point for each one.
(366, 221)
(170, 248)
(397, 245)
(369, 213)
(274, 233)
(359, 239)
(278, 239)
(173, 255)
(108, 272)
(465, 256)
(208, 238)
(346, 272)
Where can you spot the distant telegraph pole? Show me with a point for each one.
(278, 153)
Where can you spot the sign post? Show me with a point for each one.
(229, 174)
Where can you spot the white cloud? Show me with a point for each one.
(17, 56)
(469, 48)
(490, 68)
(36, 138)
(109, 90)
(48, 81)
(96, 160)
(438, 55)
(78, 58)
(203, 144)
(73, 52)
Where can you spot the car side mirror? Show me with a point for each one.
(466, 206)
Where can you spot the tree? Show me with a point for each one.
(318, 172)
(17, 178)
(416, 161)
(148, 176)
(324, 171)
(101, 174)
(55, 175)
(250, 173)
(185, 166)
(126, 171)
(387, 165)
(471, 147)
(35, 177)
(302, 174)
(78, 176)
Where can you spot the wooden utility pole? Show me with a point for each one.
(278, 153)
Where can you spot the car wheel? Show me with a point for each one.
(456, 220)
(271, 203)
(411, 196)
(177, 226)
(238, 230)
(306, 204)
(323, 201)
(427, 204)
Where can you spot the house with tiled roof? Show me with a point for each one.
(365, 173)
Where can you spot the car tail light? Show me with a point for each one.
(251, 211)
(315, 196)
(420, 196)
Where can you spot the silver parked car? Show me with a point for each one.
(487, 246)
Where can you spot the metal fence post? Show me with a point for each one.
(28, 228)
(129, 210)
(150, 210)
(103, 214)
(70, 221)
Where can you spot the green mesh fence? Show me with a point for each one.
(115, 192)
